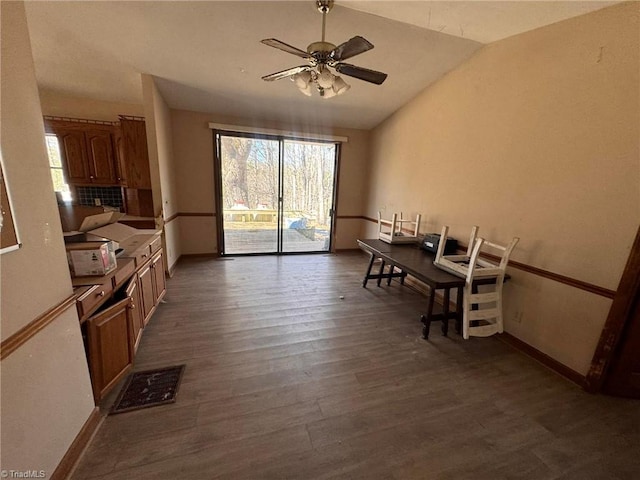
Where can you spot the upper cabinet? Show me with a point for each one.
(120, 163)
(102, 159)
(132, 145)
(97, 153)
(88, 152)
(73, 149)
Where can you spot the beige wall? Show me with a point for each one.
(536, 136)
(46, 393)
(160, 142)
(57, 105)
(193, 152)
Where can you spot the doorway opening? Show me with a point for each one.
(275, 195)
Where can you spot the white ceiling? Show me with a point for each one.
(207, 55)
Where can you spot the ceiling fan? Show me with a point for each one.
(322, 55)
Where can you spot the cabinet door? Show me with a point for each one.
(136, 154)
(111, 347)
(145, 276)
(121, 168)
(160, 284)
(102, 160)
(73, 149)
(136, 307)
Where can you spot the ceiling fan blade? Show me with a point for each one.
(286, 73)
(285, 47)
(351, 48)
(360, 73)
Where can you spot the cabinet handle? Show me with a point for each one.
(133, 306)
(91, 177)
(144, 255)
(101, 294)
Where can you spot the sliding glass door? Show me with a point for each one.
(308, 176)
(276, 195)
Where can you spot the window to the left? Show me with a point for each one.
(55, 164)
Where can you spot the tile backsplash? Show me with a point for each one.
(111, 196)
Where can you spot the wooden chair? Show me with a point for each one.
(482, 311)
(390, 231)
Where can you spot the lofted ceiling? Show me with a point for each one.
(207, 56)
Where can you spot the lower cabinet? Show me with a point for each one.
(159, 280)
(152, 284)
(113, 333)
(110, 337)
(146, 290)
(133, 292)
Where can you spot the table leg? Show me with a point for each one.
(391, 269)
(426, 319)
(382, 265)
(445, 312)
(366, 275)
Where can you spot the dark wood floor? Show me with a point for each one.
(286, 380)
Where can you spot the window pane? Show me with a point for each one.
(307, 195)
(277, 194)
(58, 180)
(249, 169)
(55, 162)
(53, 149)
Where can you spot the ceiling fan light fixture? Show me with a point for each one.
(326, 78)
(340, 86)
(322, 55)
(306, 90)
(327, 92)
(302, 79)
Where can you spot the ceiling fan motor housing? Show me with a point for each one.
(324, 6)
(320, 50)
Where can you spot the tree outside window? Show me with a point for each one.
(55, 165)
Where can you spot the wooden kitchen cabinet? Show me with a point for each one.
(146, 275)
(135, 153)
(121, 168)
(136, 309)
(108, 154)
(88, 152)
(159, 280)
(102, 159)
(90, 300)
(114, 310)
(111, 346)
(73, 149)
(153, 284)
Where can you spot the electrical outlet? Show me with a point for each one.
(97, 202)
(517, 317)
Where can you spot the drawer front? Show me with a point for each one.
(156, 244)
(142, 256)
(126, 267)
(94, 297)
